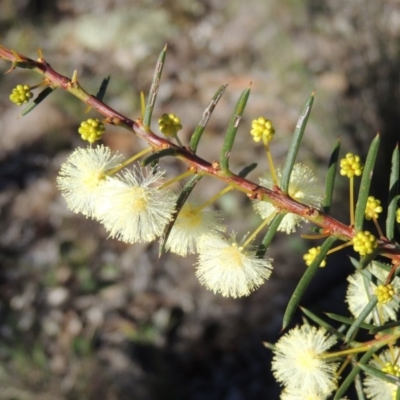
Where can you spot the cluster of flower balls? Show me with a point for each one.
(304, 364)
(135, 205)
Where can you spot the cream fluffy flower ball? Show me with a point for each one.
(133, 207)
(82, 175)
(192, 223)
(298, 362)
(227, 268)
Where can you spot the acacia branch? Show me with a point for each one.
(198, 165)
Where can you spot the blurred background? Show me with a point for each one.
(86, 317)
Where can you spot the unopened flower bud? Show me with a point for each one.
(21, 94)
(91, 130)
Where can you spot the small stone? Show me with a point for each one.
(57, 296)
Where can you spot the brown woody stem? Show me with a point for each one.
(195, 163)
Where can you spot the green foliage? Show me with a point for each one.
(366, 183)
(295, 143)
(330, 178)
(135, 205)
(232, 130)
(394, 190)
(195, 138)
(151, 99)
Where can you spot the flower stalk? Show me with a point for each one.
(276, 196)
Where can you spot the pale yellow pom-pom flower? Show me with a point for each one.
(360, 290)
(192, 223)
(226, 268)
(298, 362)
(82, 175)
(133, 208)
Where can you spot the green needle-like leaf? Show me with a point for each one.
(305, 280)
(359, 388)
(366, 183)
(232, 129)
(273, 227)
(151, 100)
(386, 327)
(185, 193)
(360, 319)
(353, 373)
(330, 178)
(159, 154)
(348, 321)
(40, 97)
(320, 322)
(247, 169)
(379, 374)
(295, 144)
(393, 194)
(194, 140)
(368, 258)
(103, 88)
